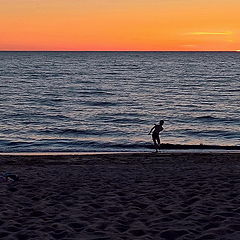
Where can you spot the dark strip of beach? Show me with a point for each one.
(166, 195)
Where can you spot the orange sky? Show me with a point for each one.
(183, 25)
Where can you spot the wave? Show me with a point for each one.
(128, 120)
(211, 133)
(79, 132)
(209, 118)
(94, 93)
(206, 118)
(29, 117)
(100, 104)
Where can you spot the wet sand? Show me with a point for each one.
(180, 195)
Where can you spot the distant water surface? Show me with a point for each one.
(108, 101)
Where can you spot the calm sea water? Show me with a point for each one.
(108, 101)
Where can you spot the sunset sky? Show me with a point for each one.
(172, 25)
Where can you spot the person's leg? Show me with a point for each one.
(158, 141)
(155, 143)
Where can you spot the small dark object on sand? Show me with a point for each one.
(9, 177)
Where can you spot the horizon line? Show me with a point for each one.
(119, 50)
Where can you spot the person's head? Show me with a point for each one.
(161, 122)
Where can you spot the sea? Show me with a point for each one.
(109, 101)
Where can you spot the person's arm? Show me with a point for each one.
(151, 130)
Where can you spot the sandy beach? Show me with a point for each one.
(179, 195)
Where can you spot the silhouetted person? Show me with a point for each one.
(155, 134)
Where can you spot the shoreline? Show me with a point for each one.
(184, 151)
(117, 158)
(166, 147)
